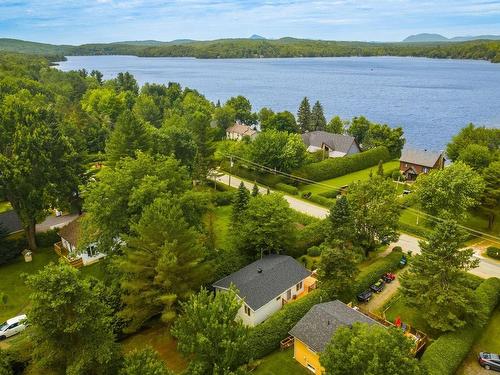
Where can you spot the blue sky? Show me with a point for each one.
(79, 21)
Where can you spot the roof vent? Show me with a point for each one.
(259, 270)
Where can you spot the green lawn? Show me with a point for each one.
(489, 341)
(5, 206)
(280, 362)
(222, 221)
(159, 338)
(408, 315)
(347, 179)
(12, 284)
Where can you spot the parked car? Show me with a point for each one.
(378, 286)
(403, 261)
(12, 326)
(489, 361)
(388, 277)
(365, 296)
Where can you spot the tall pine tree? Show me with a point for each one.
(240, 203)
(318, 120)
(129, 136)
(437, 283)
(304, 116)
(341, 223)
(161, 263)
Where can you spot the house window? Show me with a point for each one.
(247, 310)
(426, 169)
(406, 165)
(299, 286)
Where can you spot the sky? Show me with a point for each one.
(79, 21)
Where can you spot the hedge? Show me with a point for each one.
(265, 338)
(332, 194)
(374, 271)
(11, 248)
(493, 252)
(335, 167)
(327, 202)
(264, 178)
(444, 356)
(287, 188)
(48, 238)
(313, 234)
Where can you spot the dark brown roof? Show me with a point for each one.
(71, 232)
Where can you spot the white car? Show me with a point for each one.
(12, 326)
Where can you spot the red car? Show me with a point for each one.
(388, 277)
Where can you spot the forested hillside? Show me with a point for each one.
(252, 48)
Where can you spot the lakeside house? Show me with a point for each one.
(238, 131)
(415, 162)
(266, 285)
(333, 145)
(68, 247)
(315, 330)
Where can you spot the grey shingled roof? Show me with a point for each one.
(279, 273)
(336, 142)
(420, 157)
(10, 221)
(317, 327)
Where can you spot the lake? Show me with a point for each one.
(430, 98)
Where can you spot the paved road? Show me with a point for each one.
(52, 222)
(487, 267)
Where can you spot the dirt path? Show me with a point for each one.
(379, 299)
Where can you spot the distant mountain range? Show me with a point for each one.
(430, 38)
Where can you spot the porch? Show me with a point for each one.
(63, 253)
(310, 283)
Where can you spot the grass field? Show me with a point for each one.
(17, 292)
(5, 206)
(222, 221)
(159, 338)
(489, 341)
(280, 362)
(347, 179)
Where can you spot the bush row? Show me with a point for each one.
(493, 252)
(444, 356)
(372, 273)
(287, 188)
(265, 338)
(332, 194)
(321, 200)
(335, 167)
(263, 178)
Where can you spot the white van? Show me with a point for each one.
(12, 326)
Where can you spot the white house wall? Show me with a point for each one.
(267, 310)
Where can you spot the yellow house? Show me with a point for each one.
(314, 331)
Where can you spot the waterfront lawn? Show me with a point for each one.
(280, 362)
(347, 179)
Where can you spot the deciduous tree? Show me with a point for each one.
(70, 325)
(480, 135)
(370, 349)
(209, 333)
(450, 191)
(266, 226)
(437, 284)
(491, 196)
(476, 156)
(383, 135)
(335, 125)
(337, 270)
(38, 166)
(143, 362)
(243, 109)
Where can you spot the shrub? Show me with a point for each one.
(335, 167)
(47, 239)
(332, 194)
(397, 249)
(318, 199)
(455, 346)
(219, 186)
(314, 251)
(11, 248)
(375, 270)
(287, 188)
(223, 198)
(265, 338)
(313, 234)
(493, 252)
(396, 175)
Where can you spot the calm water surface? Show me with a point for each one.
(430, 98)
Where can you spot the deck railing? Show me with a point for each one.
(63, 253)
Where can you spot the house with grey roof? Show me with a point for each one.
(334, 145)
(10, 222)
(266, 285)
(315, 330)
(414, 162)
